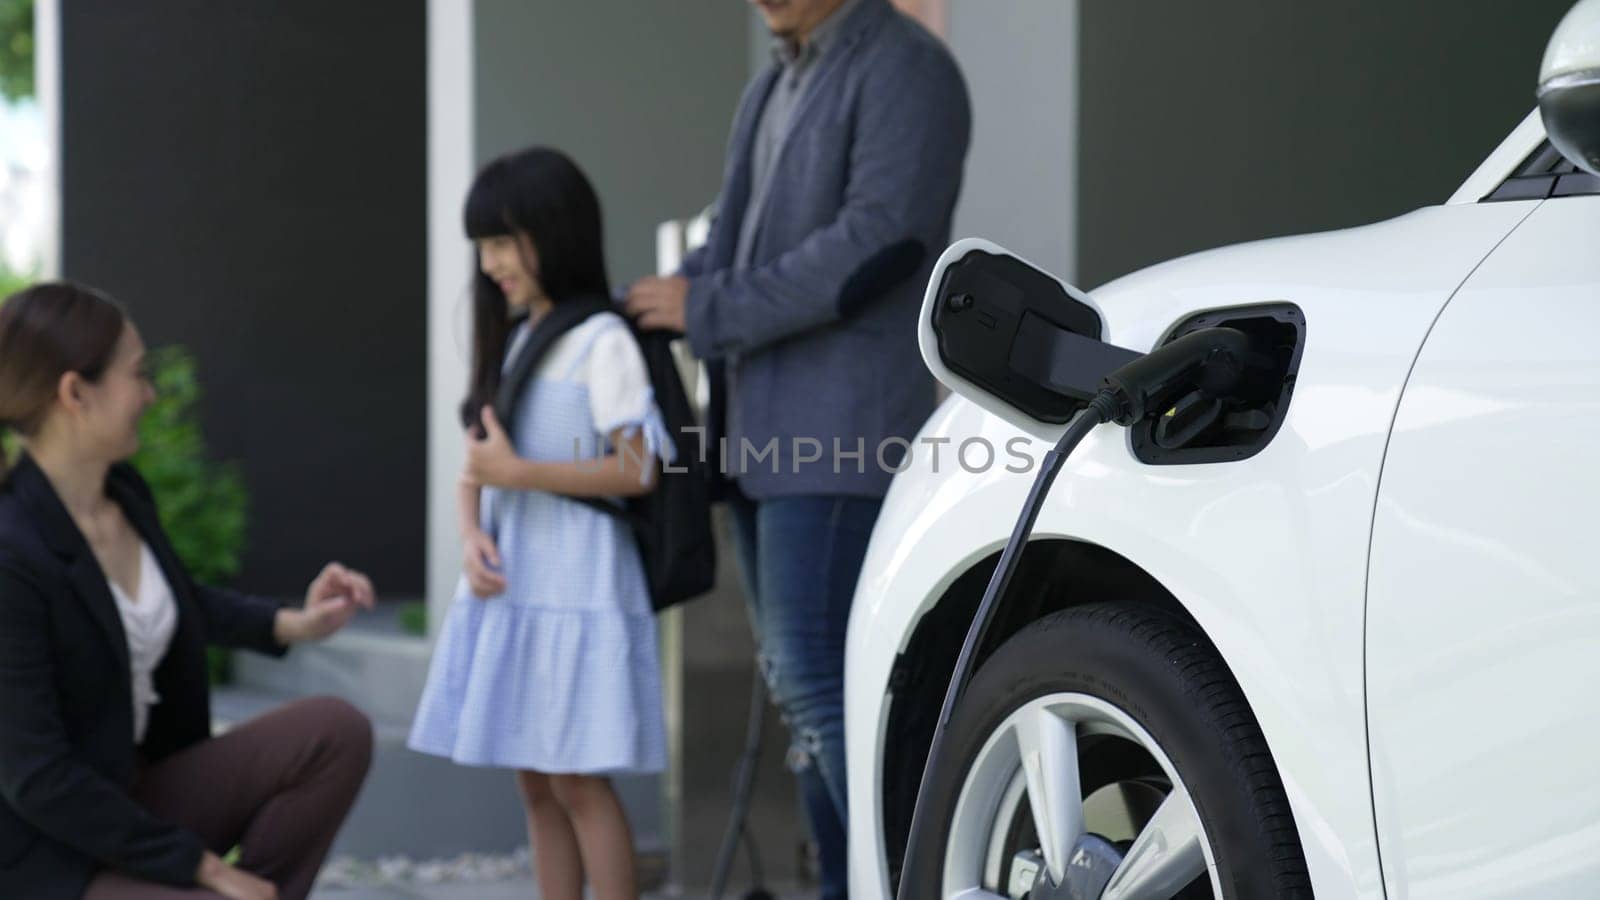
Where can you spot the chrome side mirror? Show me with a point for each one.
(1569, 86)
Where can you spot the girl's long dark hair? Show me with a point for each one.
(542, 194)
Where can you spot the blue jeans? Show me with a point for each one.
(801, 557)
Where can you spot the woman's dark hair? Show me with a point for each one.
(46, 331)
(543, 195)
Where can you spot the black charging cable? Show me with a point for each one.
(1212, 360)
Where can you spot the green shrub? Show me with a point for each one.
(414, 619)
(203, 503)
(16, 50)
(11, 282)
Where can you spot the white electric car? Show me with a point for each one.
(1340, 635)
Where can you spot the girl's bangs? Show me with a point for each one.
(486, 213)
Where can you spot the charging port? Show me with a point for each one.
(1202, 428)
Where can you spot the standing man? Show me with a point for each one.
(842, 172)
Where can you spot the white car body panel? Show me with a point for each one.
(1483, 622)
(1269, 554)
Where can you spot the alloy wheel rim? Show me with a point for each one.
(1027, 772)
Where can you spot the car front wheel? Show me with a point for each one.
(1106, 752)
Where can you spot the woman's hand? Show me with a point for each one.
(481, 560)
(331, 602)
(491, 460)
(234, 883)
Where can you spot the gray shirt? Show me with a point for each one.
(817, 330)
(799, 65)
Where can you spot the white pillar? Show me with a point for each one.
(47, 91)
(450, 169)
(1021, 62)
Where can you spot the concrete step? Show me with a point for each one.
(380, 667)
(412, 804)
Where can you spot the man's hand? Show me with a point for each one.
(658, 303)
(231, 882)
(331, 601)
(490, 458)
(481, 559)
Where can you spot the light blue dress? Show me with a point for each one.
(560, 674)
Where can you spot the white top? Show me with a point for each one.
(615, 373)
(149, 620)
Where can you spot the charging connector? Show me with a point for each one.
(1211, 361)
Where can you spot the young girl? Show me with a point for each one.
(547, 661)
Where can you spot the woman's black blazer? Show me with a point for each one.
(67, 755)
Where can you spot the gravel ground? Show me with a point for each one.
(468, 868)
(470, 876)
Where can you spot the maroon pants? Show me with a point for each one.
(277, 786)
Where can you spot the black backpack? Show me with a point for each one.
(673, 522)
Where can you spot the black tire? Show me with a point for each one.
(1168, 678)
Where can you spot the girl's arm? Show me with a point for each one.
(628, 472)
(467, 498)
(480, 558)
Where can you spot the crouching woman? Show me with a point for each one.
(111, 785)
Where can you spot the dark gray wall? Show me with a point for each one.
(642, 99)
(249, 178)
(1205, 124)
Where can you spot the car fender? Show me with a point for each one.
(1268, 554)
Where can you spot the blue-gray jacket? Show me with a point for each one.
(819, 332)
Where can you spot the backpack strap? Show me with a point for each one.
(562, 318)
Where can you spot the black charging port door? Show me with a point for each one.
(1015, 331)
